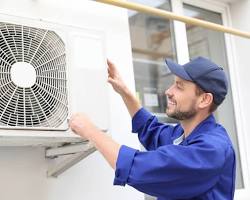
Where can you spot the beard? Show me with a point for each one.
(182, 115)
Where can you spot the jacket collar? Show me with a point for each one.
(205, 125)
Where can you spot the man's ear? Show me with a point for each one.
(206, 99)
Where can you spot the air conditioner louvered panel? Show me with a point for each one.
(44, 104)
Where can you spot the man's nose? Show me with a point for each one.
(168, 92)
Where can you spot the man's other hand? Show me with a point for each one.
(81, 125)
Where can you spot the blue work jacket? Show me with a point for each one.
(200, 166)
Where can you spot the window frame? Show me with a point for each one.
(183, 56)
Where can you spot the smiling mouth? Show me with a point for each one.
(171, 103)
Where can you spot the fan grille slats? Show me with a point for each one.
(45, 103)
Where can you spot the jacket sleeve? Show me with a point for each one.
(151, 133)
(172, 171)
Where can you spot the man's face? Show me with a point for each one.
(181, 99)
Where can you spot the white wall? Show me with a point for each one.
(23, 170)
(240, 19)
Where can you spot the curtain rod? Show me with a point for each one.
(171, 15)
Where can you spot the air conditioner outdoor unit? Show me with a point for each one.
(47, 72)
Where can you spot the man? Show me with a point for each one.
(192, 160)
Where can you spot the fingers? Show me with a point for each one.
(111, 68)
(77, 123)
(111, 81)
(110, 73)
(114, 77)
(110, 64)
(72, 121)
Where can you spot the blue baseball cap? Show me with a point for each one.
(204, 73)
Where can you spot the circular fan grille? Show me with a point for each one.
(43, 102)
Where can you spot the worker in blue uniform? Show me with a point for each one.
(194, 159)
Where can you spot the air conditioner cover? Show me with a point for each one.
(33, 83)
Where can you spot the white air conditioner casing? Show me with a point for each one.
(85, 80)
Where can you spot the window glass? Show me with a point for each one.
(152, 41)
(211, 44)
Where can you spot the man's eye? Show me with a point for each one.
(179, 87)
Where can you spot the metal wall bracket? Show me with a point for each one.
(64, 157)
